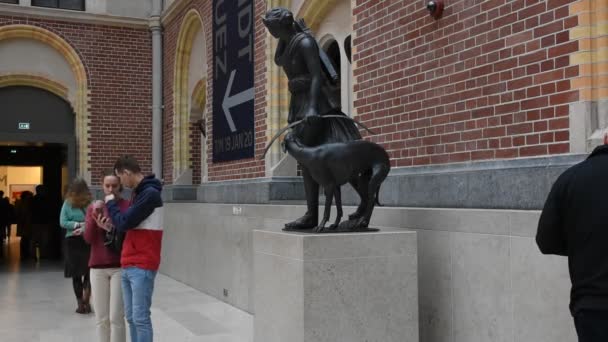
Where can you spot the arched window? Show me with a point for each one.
(332, 49)
(333, 27)
(348, 49)
(189, 102)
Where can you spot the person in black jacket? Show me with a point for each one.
(43, 218)
(574, 223)
(4, 219)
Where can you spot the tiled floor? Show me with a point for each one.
(37, 304)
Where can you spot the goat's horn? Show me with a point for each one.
(351, 119)
(276, 136)
(300, 121)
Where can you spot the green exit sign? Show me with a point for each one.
(24, 125)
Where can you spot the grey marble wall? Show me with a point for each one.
(500, 184)
(481, 276)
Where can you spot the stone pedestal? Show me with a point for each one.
(359, 287)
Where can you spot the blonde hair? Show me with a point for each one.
(79, 195)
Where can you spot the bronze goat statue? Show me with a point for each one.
(363, 164)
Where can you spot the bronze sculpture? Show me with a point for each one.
(315, 116)
(361, 163)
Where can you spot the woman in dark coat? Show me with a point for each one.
(72, 219)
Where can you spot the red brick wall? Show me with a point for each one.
(489, 80)
(247, 168)
(118, 62)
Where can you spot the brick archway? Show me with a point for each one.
(80, 99)
(315, 11)
(36, 81)
(191, 26)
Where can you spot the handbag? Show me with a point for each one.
(114, 240)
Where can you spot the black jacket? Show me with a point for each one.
(43, 210)
(574, 223)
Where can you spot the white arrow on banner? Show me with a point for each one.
(235, 100)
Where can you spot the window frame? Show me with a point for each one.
(58, 6)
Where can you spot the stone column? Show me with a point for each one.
(157, 88)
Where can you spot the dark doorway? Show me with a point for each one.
(37, 130)
(51, 160)
(37, 118)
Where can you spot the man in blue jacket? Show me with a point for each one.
(140, 257)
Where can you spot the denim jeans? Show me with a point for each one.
(137, 288)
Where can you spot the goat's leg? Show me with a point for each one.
(329, 197)
(360, 185)
(338, 196)
(379, 173)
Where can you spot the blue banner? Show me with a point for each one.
(233, 89)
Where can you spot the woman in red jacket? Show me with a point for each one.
(105, 267)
